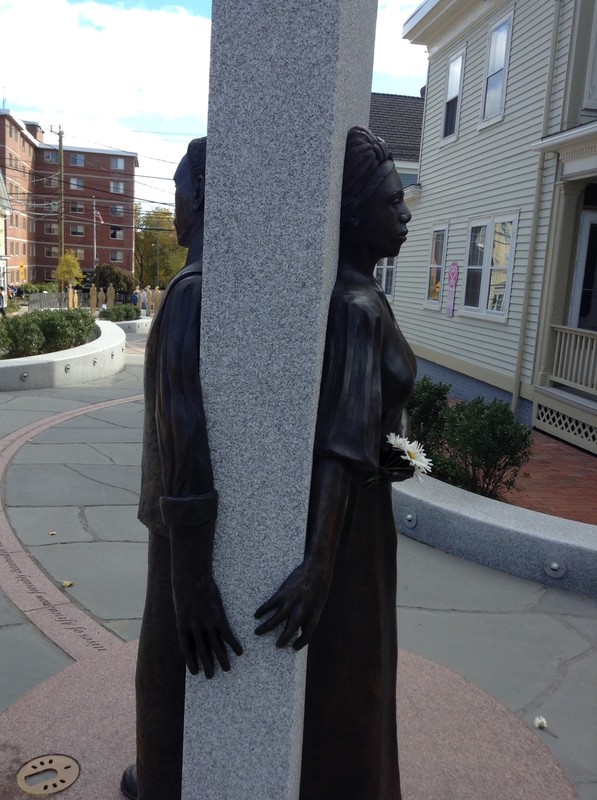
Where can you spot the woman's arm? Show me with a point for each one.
(299, 601)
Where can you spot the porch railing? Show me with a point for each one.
(575, 360)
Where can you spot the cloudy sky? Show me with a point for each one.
(104, 72)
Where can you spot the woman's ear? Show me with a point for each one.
(199, 192)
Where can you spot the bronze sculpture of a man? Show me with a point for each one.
(184, 622)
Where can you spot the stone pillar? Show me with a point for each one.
(287, 82)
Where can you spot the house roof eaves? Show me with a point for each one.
(564, 140)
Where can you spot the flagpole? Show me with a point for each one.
(95, 244)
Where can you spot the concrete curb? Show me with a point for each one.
(102, 357)
(141, 325)
(548, 550)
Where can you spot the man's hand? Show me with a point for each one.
(203, 629)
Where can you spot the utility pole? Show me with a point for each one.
(60, 133)
(61, 185)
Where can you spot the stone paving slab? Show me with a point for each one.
(28, 659)
(121, 524)
(59, 454)
(514, 656)
(457, 584)
(83, 484)
(109, 577)
(33, 526)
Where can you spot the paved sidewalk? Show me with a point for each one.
(69, 472)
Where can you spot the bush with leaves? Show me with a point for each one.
(478, 446)
(120, 313)
(23, 338)
(45, 332)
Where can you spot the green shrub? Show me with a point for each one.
(45, 332)
(478, 446)
(24, 335)
(120, 313)
(82, 323)
(4, 340)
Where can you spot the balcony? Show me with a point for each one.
(567, 408)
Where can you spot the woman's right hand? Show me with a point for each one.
(298, 603)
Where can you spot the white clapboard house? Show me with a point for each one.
(496, 288)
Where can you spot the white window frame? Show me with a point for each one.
(51, 181)
(51, 156)
(450, 137)
(51, 251)
(385, 275)
(51, 228)
(76, 184)
(117, 162)
(77, 230)
(80, 254)
(77, 208)
(77, 159)
(490, 223)
(116, 256)
(116, 232)
(437, 303)
(117, 187)
(498, 115)
(117, 211)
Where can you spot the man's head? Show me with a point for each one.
(189, 179)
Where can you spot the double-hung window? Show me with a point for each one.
(117, 187)
(496, 69)
(437, 263)
(453, 94)
(384, 274)
(489, 265)
(77, 230)
(77, 184)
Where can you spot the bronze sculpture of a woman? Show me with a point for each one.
(343, 596)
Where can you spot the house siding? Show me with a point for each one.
(459, 181)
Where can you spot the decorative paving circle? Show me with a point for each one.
(46, 775)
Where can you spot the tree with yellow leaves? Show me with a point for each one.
(68, 270)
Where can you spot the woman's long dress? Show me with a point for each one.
(350, 745)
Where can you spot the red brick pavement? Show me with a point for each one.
(562, 481)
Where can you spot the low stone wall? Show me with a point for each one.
(141, 325)
(100, 358)
(548, 550)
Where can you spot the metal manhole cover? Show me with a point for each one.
(47, 774)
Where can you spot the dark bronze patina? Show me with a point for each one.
(342, 599)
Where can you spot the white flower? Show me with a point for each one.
(413, 453)
(540, 722)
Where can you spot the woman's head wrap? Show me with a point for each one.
(367, 161)
(196, 152)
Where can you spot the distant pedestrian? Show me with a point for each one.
(2, 301)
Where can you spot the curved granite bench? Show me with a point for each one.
(550, 550)
(99, 358)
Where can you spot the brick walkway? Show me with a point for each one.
(562, 481)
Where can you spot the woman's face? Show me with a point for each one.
(383, 218)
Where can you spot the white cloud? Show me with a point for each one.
(394, 55)
(104, 72)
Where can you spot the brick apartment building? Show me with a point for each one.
(60, 199)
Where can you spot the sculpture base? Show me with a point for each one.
(456, 741)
